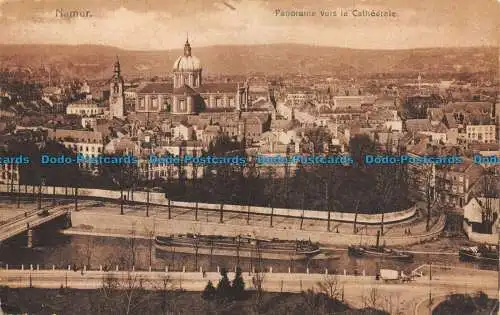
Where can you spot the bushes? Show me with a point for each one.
(226, 291)
(209, 292)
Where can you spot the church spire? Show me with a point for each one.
(117, 67)
(187, 47)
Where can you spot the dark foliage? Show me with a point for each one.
(223, 291)
(373, 186)
(209, 293)
(238, 285)
(478, 303)
(35, 172)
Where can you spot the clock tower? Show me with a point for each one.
(116, 93)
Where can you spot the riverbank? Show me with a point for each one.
(109, 222)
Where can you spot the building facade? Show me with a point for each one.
(188, 94)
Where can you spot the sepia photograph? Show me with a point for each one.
(271, 157)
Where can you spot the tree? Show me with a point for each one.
(209, 293)
(87, 250)
(196, 245)
(373, 298)
(270, 192)
(489, 188)
(238, 285)
(224, 286)
(330, 286)
(125, 295)
(428, 173)
(124, 176)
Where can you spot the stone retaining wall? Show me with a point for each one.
(161, 226)
(160, 199)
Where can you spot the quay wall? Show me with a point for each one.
(156, 198)
(129, 224)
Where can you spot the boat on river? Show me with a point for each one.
(484, 253)
(379, 251)
(242, 246)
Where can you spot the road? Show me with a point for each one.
(405, 298)
(417, 224)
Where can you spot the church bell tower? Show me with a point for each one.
(116, 93)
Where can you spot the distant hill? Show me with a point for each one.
(94, 61)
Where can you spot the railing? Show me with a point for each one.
(169, 269)
(24, 215)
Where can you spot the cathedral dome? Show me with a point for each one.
(187, 63)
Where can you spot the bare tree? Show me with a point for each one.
(125, 294)
(150, 234)
(314, 303)
(390, 303)
(87, 250)
(196, 244)
(132, 247)
(489, 189)
(373, 298)
(330, 286)
(384, 188)
(355, 229)
(302, 200)
(428, 173)
(257, 281)
(166, 285)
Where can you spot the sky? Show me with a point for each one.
(163, 24)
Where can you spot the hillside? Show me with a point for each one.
(94, 61)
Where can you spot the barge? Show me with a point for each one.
(379, 251)
(483, 253)
(241, 246)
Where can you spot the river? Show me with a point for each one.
(62, 250)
